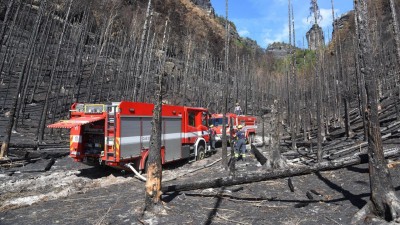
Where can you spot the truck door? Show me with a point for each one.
(191, 133)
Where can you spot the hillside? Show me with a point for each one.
(104, 51)
(316, 110)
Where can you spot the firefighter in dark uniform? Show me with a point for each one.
(212, 133)
(240, 143)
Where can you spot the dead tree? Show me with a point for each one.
(5, 21)
(276, 161)
(225, 93)
(361, 83)
(384, 203)
(138, 70)
(154, 169)
(104, 38)
(42, 121)
(14, 108)
(291, 84)
(27, 69)
(396, 30)
(264, 175)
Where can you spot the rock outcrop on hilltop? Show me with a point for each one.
(278, 49)
(315, 37)
(205, 4)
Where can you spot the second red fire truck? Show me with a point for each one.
(233, 120)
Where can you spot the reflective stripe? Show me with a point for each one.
(145, 138)
(193, 134)
(76, 138)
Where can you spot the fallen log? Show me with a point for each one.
(259, 156)
(270, 175)
(358, 146)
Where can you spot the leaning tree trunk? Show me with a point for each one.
(138, 70)
(154, 169)
(42, 121)
(384, 202)
(5, 21)
(13, 111)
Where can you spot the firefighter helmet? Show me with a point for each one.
(239, 126)
(211, 126)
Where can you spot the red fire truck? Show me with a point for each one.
(233, 120)
(119, 133)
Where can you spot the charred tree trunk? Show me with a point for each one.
(292, 85)
(276, 161)
(361, 85)
(384, 202)
(138, 70)
(28, 61)
(225, 94)
(319, 107)
(154, 169)
(14, 107)
(104, 37)
(396, 29)
(270, 175)
(5, 21)
(42, 121)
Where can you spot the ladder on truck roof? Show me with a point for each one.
(110, 133)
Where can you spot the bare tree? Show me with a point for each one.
(154, 169)
(42, 121)
(14, 108)
(396, 30)
(5, 21)
(225, 93)
(384, 202)
(139, 66)
(291, 78)
(276, 161)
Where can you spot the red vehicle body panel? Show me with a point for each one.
(119, 133)
(248, 123)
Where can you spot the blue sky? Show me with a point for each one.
(266, 21)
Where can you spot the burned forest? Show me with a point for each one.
(160, 112)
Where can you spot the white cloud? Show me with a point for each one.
(244, 32)
(271, 36)
(324, 22)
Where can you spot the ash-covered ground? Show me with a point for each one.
(75, 193)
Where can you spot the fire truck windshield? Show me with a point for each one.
(216, 121)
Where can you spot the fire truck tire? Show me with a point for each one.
(144, 171)
(201, 154)
(251, 138)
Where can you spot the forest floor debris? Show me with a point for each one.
(71, 193)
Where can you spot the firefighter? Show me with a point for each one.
(238, 109)
(240, 143)
(212, 133)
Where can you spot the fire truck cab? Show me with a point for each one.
(119, 133)
(233, 120)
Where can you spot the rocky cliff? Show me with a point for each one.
(205, 4)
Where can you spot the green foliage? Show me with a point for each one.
(222, 21)
(239, 43)
(304, 60)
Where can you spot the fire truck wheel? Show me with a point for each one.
(251, 139)
(201, 154)
(144, 171)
